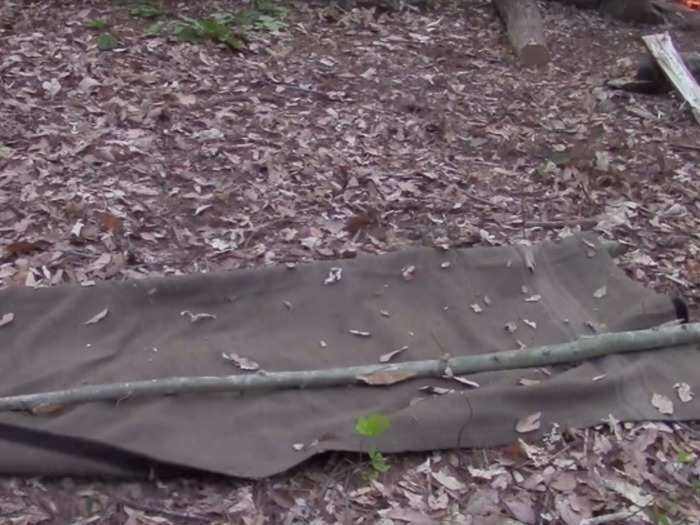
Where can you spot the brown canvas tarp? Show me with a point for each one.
(278, 317)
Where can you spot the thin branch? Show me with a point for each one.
(586, 347)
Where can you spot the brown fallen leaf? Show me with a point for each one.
(361, 221)
(98, 317)
(385, 378)
(22, 248)
(528, 423)
(108, 222)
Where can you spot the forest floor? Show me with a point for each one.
(332, 133)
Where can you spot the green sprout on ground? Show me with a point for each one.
(146, 9)
(95, 24)
(193, 30)
(107, 42)
(372, 426)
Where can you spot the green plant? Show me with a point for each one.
(372, 426)
(261, 15)
(193, 30)
(107, 41)
(95, 23)
(658, 517)
(145, 9)
(155, 28)
(684, 457)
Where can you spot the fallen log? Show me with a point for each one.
(525, 30)
(662, 49)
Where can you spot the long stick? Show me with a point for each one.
(585, 347)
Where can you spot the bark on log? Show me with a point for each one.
(525, 30)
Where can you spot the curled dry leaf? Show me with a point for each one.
(334, 275)
(531, 324)
(445, 265)
(528, 423)
(408, 272)
(7, 319)
(386, 377)
(360, 333)
(241, 362)
(510, 327)
(449, 482)
(683, 391)
(194, 318)
(98, 317)
(600, 292)
(529, 382)
(201, 209)
(465, 381)
(533, 299)
(662, 403)
(477, 309)
(385, 358)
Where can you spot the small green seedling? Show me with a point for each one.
(372, 426)
(107, 42)
(684, 457)
(95, 24)
(193, 30)
(146, 10)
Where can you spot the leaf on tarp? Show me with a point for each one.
(533, 299)
(385, 358)
(662, 403)
(360, 333)
(531, 324)
(465, 381)
(241, 362)
(683, 391)
(46, 409)
(386, 377)
(600, 292)
(194, 318)
(529, 382)
(7, 319)
(408, 272)
(334, 275)
(98, 317)
(528, 423)
(510, 327)
(477, 309)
